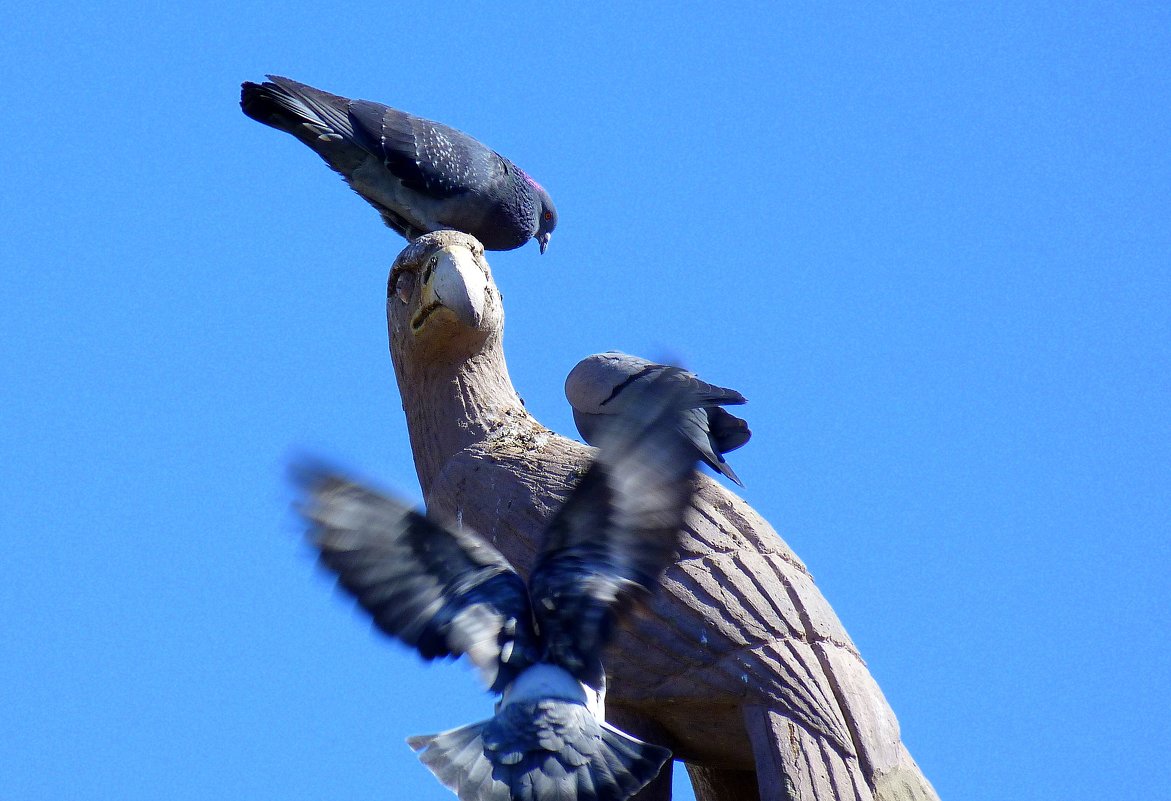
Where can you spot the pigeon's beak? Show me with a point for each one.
(453, 281)
(543, 239)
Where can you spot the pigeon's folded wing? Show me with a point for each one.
(607, 546)
(443, 592)
(427, 156)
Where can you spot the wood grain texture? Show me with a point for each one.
(739, 665)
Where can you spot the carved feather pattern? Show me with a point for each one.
(751, 644)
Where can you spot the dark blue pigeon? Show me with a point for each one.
(420, 175)
(605, 384)
(449, 592)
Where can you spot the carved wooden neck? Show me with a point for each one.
(454, 403)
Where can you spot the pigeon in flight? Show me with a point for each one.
(448, 592)
(420, 175)
(606, 384)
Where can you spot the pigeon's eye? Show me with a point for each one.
(404, 285)
(548, 216)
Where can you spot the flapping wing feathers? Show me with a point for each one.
(441, 591)
(606, 547)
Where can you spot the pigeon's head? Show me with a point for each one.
(547, 214)
(441, 303)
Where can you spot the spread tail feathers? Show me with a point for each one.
(727, 432)
(537, 751)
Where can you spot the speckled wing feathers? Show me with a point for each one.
(428, 157)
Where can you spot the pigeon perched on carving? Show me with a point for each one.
(602, 386)
(449, 592)
(420, 175)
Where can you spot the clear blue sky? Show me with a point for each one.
(931, 246)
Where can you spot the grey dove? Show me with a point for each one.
(603, 385)
(449, 592)
(420, 175)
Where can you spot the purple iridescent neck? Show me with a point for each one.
(530, 180)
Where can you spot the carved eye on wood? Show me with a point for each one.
(404, 285)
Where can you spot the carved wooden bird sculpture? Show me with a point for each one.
(448, 592)
(741, 667)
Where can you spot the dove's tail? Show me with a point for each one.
(729, 431)
(714, 432)
(540, 750)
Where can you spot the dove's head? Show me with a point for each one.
(441, 302)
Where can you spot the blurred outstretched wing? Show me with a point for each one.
(607, 546)
(443, 592)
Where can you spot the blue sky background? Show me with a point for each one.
(931, 245)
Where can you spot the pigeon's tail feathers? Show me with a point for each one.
(315, 117)
(539, 751)
(458, 759)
